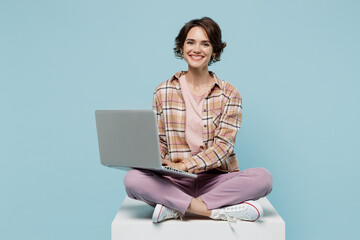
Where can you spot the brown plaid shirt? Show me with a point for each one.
(222, 112)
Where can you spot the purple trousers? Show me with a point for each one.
(216, 189)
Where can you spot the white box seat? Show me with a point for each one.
(133, 221)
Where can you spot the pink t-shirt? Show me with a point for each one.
(193, 125)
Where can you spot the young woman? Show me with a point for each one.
(199, 116)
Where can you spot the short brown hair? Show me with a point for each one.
(213, 31)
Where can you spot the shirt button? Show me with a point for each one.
(204, 125)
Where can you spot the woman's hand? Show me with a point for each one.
(179, 166)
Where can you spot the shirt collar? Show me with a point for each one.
(217, 80)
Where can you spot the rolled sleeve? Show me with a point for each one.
(161, 127)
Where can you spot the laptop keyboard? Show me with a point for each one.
(176, 170)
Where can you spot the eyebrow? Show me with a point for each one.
(190, 39)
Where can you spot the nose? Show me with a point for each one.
(196, 48)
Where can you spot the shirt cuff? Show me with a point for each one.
(192, 165)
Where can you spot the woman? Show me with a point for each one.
(199, 116)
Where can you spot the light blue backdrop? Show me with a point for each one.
(296, 64)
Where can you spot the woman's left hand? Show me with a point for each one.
(179, 166)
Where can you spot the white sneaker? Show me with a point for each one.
(162, 213)
(246, 211)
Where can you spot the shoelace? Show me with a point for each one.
(230, 214)
(234, 212)
(173, 214)
(229, 219)
(176, 215)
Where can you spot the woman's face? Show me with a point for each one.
(197, 48)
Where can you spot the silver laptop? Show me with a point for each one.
(129, 139)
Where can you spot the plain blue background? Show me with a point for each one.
(296, 64)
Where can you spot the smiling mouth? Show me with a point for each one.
(196, 58)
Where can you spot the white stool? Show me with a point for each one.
(133, 221)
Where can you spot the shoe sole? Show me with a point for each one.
(257, 207)
(157, 212)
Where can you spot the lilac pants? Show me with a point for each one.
(216, 189)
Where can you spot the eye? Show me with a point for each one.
(206, 44)
(189, 42)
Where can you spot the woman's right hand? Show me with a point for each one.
(179, 166)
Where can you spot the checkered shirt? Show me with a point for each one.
(221, 117)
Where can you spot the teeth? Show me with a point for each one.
(196, 57)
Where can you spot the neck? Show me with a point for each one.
(198, 77)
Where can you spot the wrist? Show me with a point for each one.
(183, 167)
